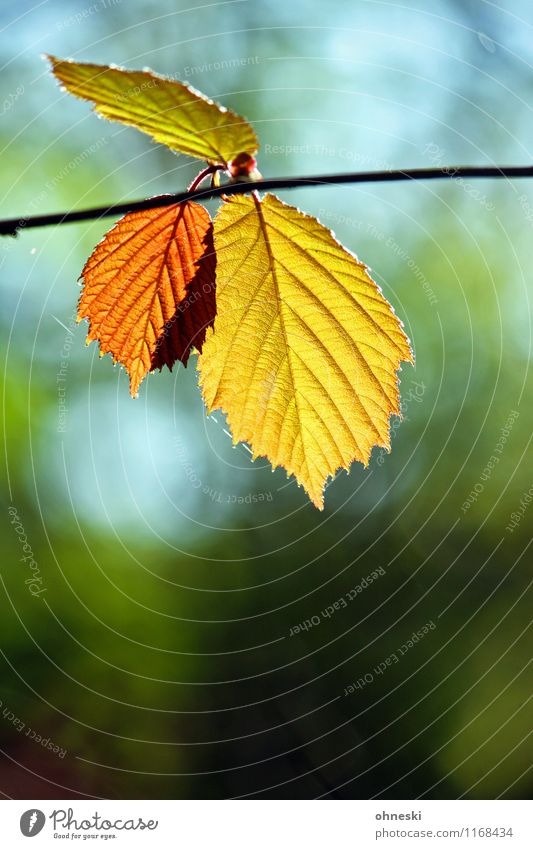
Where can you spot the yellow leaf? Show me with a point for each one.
(305, 348)
(171, 112)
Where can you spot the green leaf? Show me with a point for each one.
(171, 112)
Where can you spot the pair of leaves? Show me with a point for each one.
(304, 351)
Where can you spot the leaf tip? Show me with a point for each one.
(317, 501)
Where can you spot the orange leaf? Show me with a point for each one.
(149, 288)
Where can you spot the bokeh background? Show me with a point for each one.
(157, 657)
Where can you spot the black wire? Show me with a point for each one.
(10, 226)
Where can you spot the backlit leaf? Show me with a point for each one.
(149, 288)
(305, 348)
(172, 112)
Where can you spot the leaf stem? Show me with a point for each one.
(210, 170)
(11, 226)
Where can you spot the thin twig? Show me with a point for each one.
(10, 226)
